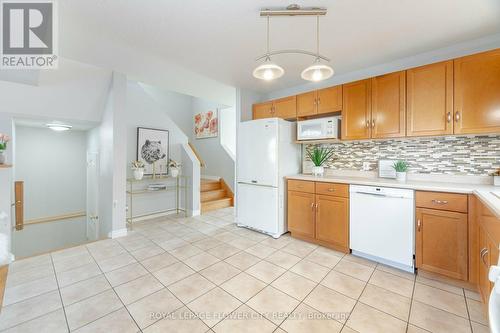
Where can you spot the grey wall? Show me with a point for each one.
(463, 155)
(217, 160)
(53, 168)
(146, 107)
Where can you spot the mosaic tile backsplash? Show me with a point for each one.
(464, 155)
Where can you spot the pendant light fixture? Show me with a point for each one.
(317, 71)
(268, 70)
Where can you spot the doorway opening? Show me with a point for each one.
(56, 175)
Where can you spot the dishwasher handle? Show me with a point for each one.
(380, 195)
(373, 194)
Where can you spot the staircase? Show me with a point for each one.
(215, 194)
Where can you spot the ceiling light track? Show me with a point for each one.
(313, 54)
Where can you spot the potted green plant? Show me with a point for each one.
(496, 177)
(401, 168)
(174, 168)
(4, 138)
(318, 156)
(138, 169)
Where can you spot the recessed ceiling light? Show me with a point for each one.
(59, 127)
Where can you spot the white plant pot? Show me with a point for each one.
(496, 180)
(2, 157)
(138, 174)
(318, 170)
(401, 176)
(174, 172)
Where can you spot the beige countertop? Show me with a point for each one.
(488, 194)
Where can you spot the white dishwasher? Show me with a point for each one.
(382, 225)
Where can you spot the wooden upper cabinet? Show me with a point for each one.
(356, 110)
(262, 110)
(441, 242)
(477, 93)
(429, 108)
(332, 220)
(329, 100)
(306, 104)
(301, 213)
(388, 105)
(285, 108)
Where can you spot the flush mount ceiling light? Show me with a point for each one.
(270, 71)
(59, 127)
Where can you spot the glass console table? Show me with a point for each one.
(163, 184)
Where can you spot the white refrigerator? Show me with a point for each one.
(267, 152)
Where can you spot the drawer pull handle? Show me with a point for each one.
(440, 202)
(418, 225)
(331, 189)
(484, 252)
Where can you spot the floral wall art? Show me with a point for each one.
(206, 125)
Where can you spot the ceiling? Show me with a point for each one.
(220, 39)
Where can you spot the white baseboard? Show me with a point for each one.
(195, 212)
(117, 233)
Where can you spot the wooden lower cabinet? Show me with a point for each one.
(441, 242)
(332, 220)
(301, 213)
(318, 217)
(487, 251)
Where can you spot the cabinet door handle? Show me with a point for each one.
(312, 206)
(373, 123)
(448, 117)
(484, 253)
(457, 116)
(315, 101)
(367, 124)
(418, 225)
(317, 207)
(439, 202)
(319, 100)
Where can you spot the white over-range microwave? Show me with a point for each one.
(319, 128)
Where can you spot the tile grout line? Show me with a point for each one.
(60, 295)
(124, 306)
(411, 303)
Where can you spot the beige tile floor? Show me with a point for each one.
(205, 274)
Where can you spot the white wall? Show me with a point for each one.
(74, 91)
(6, 189)
(112, 180)
(227, 130)
(53, 168)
